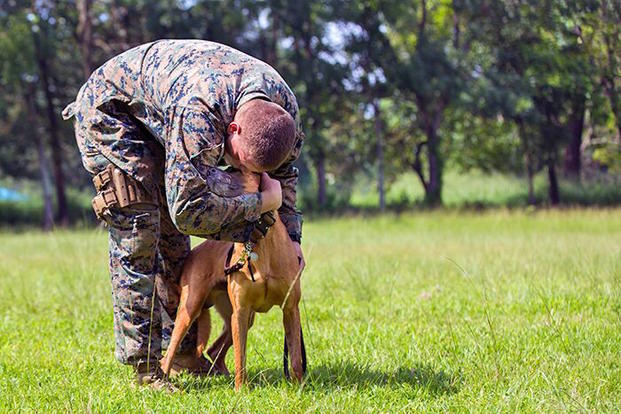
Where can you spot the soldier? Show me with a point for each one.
(153, 125)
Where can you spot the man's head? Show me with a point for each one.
(260, 137)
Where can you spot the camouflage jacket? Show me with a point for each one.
(185, 93)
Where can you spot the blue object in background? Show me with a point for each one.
(6, 194)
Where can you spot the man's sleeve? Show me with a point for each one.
(202, 199)
(287, 174)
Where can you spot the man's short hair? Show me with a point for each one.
(268, 133)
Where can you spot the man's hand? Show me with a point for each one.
(298, 250)
(271, 193)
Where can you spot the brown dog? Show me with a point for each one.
(272, 278)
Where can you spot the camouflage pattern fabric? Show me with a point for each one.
(159, 112)
(146, 256)
(184, 93)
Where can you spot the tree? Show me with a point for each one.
(369, 54)
(315, 76)
(608, 33)
(426, 51)
(43, 40)
(539, 77)
(20, 112)
(84, 31)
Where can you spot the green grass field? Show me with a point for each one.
(430, 312)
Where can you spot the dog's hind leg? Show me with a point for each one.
(218, 350)
(293, 340)
(204, 330)
(304, 363)
(285, 356)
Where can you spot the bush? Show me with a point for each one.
(29, 212)
(19, 213)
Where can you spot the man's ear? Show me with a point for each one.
(234, 127)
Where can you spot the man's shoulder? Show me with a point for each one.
(215, 77)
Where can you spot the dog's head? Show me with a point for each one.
(232, 182)
(250, 181)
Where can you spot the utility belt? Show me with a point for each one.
(117, 189)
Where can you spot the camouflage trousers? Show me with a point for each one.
(146, 257)
(146, 249)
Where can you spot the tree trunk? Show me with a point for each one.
(44, 168)
(572, 151)
(528, 161)
(553, 188)
(530, 178)
(320, 166)
(433, 191)
(433, 197)
(272, 50)
(62, 217)
(85, 35)
(417, 165)
(120, 22)
(379, 151)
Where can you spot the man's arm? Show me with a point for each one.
(287, 174)
(198, 193)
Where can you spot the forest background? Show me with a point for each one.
(405, 104)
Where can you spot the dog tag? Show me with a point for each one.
(253, 256)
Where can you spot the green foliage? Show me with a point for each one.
(29, 213)
(489, 145)
(13, 213)
(608, 156)
(496, 86)
(17, 71)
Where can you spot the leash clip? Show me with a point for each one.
(247, 256)
(248, 246)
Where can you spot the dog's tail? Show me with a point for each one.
(285, 356)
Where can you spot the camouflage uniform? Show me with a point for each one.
(159, 112)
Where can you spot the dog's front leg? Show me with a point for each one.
(239, 325)
(182, 324)
(190, 306)
(291, 322)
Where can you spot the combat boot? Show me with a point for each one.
(152, 376)
(193, 365)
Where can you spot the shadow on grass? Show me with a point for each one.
(344, 375)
